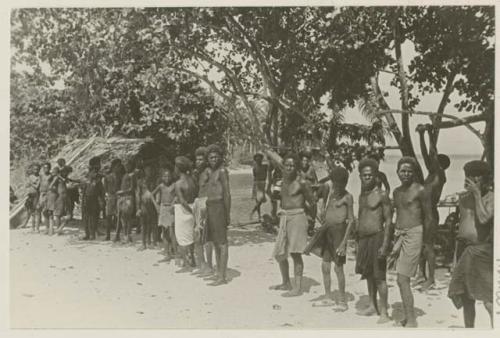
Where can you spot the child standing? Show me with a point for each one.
(330, 241)
(165, 192)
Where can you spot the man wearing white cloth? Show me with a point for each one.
(186, 191)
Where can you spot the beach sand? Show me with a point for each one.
(62, 282)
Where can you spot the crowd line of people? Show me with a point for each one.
(397, 234)
(188, 210)
(186, 207)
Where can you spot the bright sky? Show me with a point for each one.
(457, 140)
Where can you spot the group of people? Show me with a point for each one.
(391, 234)
(185, 206)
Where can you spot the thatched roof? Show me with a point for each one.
(78, 153)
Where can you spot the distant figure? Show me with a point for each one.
(292, 234)
(330, 241)
(436, 165)
(413, 213)
(202, 249)
(92, 203)
(218, 211)
(259, 172)
(166, 200)
(32, 189)
(308, 173)
(62, 211)
(146, 208)
(112, 182)
(126, 201)
(52, 198)
(374, 229)
(472, 278)
(42, 214)
(185, 191)
(61, 163)
(381, 178)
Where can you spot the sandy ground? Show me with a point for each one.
(62, 282)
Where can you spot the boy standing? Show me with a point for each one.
(259, 171)
(331, 240)
(218, 211)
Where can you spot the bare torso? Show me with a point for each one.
(167, 194)
(187, 187)
(371, 213)
(469, 227)
(408, 205)
(292, 196)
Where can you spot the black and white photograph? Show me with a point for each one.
(251, 167)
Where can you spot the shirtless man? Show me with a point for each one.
(309, 174)
(165, 194)
(218, 211)
(92, 203)
(202, 248)
(413, 213)
(126, 201)
(185, 191)
(259, 171)
(472, 278)
(436, 165)
(146, 207)
(41, 215)
(374, 225)
(112, 183)
(292, 234)
(331, 240)
(32, 188)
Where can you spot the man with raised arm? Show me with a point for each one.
(436, 165)
(374, 226)
(413, 207)
(472, 278)
(292, 234)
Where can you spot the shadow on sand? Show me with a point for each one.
(398, 313)
(238, 237)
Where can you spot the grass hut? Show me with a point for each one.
(78, 153)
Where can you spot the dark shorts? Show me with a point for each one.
(368, 265)
(216, 222)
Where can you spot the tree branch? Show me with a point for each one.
(450, 81)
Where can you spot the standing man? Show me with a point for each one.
(375, 218)
(126, 201)
(472, 278)
(436, 165)
(32, 188)
(201, 175)
(41, 214)
(292, 234)
(309, 174)
(218, 210)
(413, 213)
(337, 217)
(259, 171)
(112, 183)
(185, 191)
(92, 202)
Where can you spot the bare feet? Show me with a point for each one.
(292, 293)
(428, 284)
(411, 323)
(419, 280)
(281, 287)
(369, 311)
(218, 282)
(185, 269)
(384, 318)
(142, 248)
(341, 307)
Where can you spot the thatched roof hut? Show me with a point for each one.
(79, 152)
